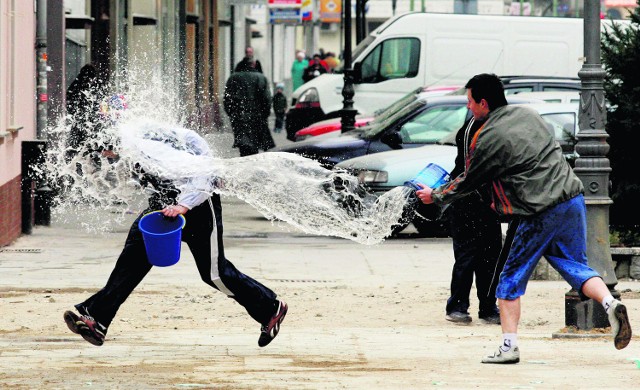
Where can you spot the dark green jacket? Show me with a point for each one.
(515, 153)
(279, 103)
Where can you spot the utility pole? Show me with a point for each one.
(348, 121)
(592, 167)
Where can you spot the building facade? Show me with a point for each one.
(17, 108)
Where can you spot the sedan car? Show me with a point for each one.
(383, 171)
(328, 126)
(299, 114)
(334, 125)
(423, 121)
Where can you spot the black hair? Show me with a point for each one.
(487, 86)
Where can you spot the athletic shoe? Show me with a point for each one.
(459, 317)
(270, 330)
(71, 319)
(620, 326)
(85, 326)
(511, 356)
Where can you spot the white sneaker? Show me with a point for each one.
(620, 326)
(511, 356)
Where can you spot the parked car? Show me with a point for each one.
(335, 124)
(423, 121)
(518, 84)
(572, 97)
(328, 126)
(514, 85)
(381, 172)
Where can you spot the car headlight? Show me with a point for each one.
(373, 177)
(308, 98)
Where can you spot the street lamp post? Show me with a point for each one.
(593, 168)
(348, 113)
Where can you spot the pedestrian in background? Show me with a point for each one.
(202, 233)
(533, 185)
(248, 58)
(332, 61)
(297, 69)
(279, 107)
(316, 68)
(247, 101)
(83, 108)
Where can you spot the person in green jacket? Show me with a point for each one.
(297, 69)
(533, 185)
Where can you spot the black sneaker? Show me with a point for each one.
(490, 316)
(493, 319)
(270, 330)
(85, 326)
(459, 317)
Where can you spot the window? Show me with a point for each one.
(516, 90)
(562, 126)
(392, 59)
(433, 124)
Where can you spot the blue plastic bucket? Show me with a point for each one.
(433, 175)
(162, 238)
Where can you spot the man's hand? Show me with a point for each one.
(174, 211)
(425, 194)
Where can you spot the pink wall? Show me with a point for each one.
(17, 107)
(17, 83)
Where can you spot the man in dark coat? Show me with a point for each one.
(83, 100)
(248, 57)
(247, 101)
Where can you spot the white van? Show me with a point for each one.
(424, 49)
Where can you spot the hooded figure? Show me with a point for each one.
(247, 101)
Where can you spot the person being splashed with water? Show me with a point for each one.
(202, 233)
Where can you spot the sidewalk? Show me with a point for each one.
(360, 318)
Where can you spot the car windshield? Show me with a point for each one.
(384, 113)
(362, 46)
(433, 124)
(378, 126)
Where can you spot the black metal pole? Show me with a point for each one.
(593, 168)
(348, 113)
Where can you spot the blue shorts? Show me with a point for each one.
(559, 234)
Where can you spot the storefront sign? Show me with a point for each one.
(330, 11)
(285, 3)
(285, 16)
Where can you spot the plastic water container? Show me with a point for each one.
(433, 175)
(162, 237)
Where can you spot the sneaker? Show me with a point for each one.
(511, 356)
(270, 330)
(493, 319)
(85, 326)
(71, 319)
(620, 326)
(459, 317)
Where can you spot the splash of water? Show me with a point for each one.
(281, 186)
